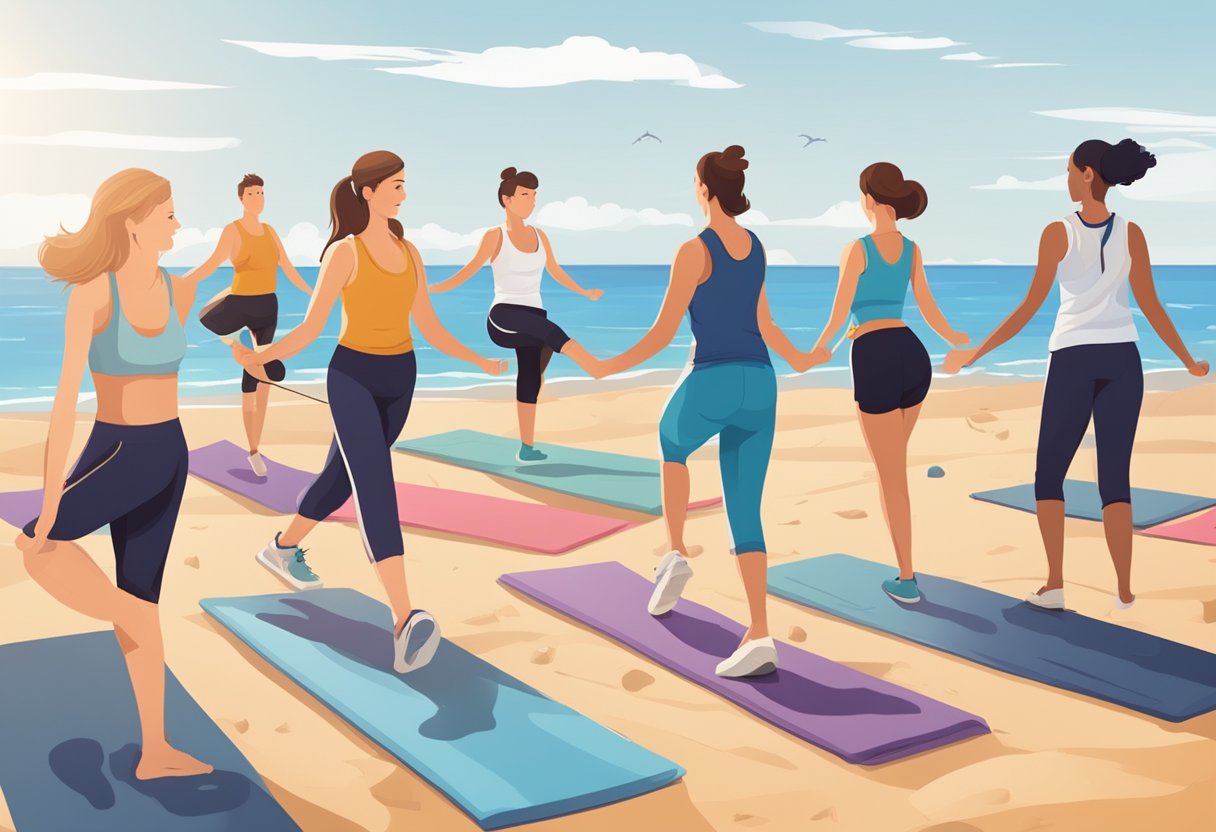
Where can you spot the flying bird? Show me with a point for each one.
(648, 135)
(809, 139)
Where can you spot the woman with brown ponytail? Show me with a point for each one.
(380, 277)
(891, 368)
(518, 256)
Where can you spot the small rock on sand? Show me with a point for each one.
(543, 656)
(241, 725)
(1002, 434)
(825, 814)
(797, 634)
(192, 562)
(852, 514)
(791, 523)
(936, 472)
(283, 729)
(635, 680)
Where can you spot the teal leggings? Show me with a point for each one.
(736, 401)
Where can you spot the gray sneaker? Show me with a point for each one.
(289, 565)
(670, 578)
(414, 645)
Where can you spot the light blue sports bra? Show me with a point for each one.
(882, 287)
(118, 350)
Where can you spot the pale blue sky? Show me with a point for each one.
(300, 122)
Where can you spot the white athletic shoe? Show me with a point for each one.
(753, 658)
(1120, 604)
(671, 576)
(1051, 599)
(414, 645)
(288, 565)
(257, 464)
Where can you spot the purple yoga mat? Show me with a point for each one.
(855, 716)
(226, 465)
(20, 507)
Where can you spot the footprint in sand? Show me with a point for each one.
(988, 423)
(1002, 550)
(636, 680)
(543, 655)
(749, 820)
(482, 620)
(825, 814)
(507, 612)
(852, 514)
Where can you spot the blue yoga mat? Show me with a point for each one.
(69, 746)
(500, 750)
(612, 479)
(1081, 500)
(1058, 648)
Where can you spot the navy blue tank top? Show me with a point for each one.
(723, 308)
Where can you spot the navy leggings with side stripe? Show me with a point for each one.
(1102, 380)
(369, 400)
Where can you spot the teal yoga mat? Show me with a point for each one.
(1081, 500)
(612, 479)
(500, 750)
(1152, 675)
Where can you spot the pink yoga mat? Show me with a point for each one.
(1201, 528)
(536, 528)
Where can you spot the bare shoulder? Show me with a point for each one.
(341, 256)
(93, 294)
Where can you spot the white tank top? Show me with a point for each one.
(1094, 286)
(517, 273)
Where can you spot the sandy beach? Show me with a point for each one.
(1054, 760)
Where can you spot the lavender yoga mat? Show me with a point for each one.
(20, 507)
(536, 528)
(855, 716)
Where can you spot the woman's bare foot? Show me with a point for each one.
(167, 761)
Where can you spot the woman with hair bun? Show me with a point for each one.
(730, 392)
(518, 256)
(891, 368)
(1094, 369)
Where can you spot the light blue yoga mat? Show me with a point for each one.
(499, 749)
(1059, 648)
(1081, 500)
(69, 744)
(612, 479)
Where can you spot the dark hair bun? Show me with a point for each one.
(508, 173)
(732, 158)
(1125, 162)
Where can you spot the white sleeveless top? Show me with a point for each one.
(517, 273)
(1094, 286)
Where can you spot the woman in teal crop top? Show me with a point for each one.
(891, 368)
(125, 319)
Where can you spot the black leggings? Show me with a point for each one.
(1102, 380)
(534, 337)
(369, 400)
(231, 313)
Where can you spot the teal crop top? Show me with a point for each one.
(882, 287)
(118, 350)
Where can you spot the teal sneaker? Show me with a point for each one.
(288, 564)
(905, 592)
(527, 453)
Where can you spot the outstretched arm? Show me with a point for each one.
(436, 334)
(690, 266)
(1053, 245)
(559, 274)
(288, 269)
(488, 248)
(1145, 290)
(225, 249)
(929, 309)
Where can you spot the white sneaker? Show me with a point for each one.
(753, 658)
(1120, 604)
(1051, 599)
(257, 464)
(288, 565)
(671, 576)
(414, 645)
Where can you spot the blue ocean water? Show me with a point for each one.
(974, 298)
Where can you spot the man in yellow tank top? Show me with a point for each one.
(256, 253)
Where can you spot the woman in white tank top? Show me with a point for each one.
(518, 255)
(1094, 369)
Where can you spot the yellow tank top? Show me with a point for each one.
(376, 306)
(256, 264)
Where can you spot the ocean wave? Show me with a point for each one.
(1021, 362)
(83, 397)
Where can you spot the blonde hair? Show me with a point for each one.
(103, 244)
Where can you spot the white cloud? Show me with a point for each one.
(1138, 119)
(1021, 65)
(779, 257)
(810, 30)
(28, 218)
(966, 56)
(191, 246)
(904, 43)
(123, 141)
(41, 81)
(432, 237)
(576, 214)
(574, 60)
(1177, 143)
(841, 215)
(1012, 183)
(1052, 157)
(1178, 177)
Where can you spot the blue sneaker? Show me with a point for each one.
(287, 562)
(905, 592)
(528, 453)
